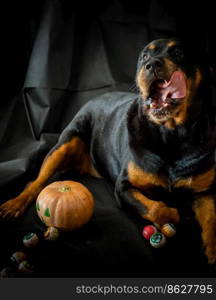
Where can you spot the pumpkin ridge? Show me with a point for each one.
(58, 210)
(53, 204)
(64, 216)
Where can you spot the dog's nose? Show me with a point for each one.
(154, 63)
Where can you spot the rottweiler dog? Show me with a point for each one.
(162, 138)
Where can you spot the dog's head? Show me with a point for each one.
(167, 78)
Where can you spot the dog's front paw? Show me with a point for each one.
(12, 208)
(211, 253)
(161, 214)
(209, 240)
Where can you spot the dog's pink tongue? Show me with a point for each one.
(175, 88)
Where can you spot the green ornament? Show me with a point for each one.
(29, 236)
(157, 240)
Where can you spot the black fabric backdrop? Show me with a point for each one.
(59, 55)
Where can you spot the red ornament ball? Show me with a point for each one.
(148, 231)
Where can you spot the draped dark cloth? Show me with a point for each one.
(59, 55)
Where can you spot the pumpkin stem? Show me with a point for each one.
(65, 188)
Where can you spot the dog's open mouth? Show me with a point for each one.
(165, 95)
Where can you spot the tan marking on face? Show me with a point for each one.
(170, 124)
(170, 67)
(199, 183)
(171, 44)
(142, 83)
(179, 115)
(143, 180)
(152, 46)
(192, 85)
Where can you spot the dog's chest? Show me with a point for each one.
(195, 172)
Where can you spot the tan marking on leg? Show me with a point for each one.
(73, 154)
(157, 211)
(204, 209)
(141, 179)
(93, 172)
(198, 183)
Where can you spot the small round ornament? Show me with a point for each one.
(51, 234)
(6, 272)
(26, 267)
(157, 240)
(30, 240)
(148, 231)
(18, 257)
(168, 230)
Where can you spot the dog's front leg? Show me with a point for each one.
(71, 154)
(205, 211)
(154, 211)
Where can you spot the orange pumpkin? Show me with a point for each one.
(66, 205)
